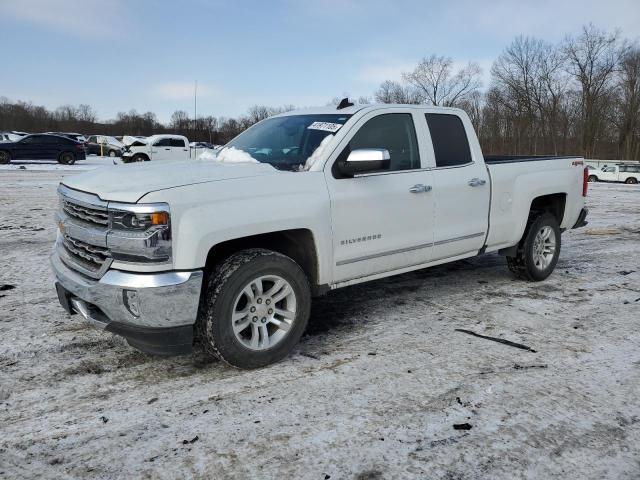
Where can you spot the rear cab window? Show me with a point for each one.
(449, 138)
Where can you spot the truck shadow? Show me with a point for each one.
(352, 305)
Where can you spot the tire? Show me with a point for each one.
(112, 153)
(67, 158)
(5, 157)
(631, 181)
(529, 263)
(225, 294)
(592, 178)
(139, 157)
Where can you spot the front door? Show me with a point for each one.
(161, 149)
(381, 221)
(609, 174)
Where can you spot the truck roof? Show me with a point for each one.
(331, 109)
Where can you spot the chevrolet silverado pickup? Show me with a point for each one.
(229, 250)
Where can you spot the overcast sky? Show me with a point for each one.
(117, 55)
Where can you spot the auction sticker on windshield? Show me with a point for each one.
(326, 126)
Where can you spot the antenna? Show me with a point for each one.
(195, 111)
(344, 103)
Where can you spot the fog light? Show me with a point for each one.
(130, 300)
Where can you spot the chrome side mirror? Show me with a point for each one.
(365, 160)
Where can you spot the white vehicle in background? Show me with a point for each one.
(627, 173)
(157, 147)
(11, 136)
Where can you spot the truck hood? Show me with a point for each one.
(130, 182)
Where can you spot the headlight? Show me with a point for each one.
(140, 222)
(140, 233)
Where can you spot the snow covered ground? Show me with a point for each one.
(374, 390)
(91, 162)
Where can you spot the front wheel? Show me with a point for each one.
(67, 158)
(631, 181)
(112, 153)
(592, 178)
(255, 308)
(4, 157)
(538, 251)
(140, 158)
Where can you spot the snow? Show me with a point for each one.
(91, 163)
(229, 155)
(318, 153)
(372, 390)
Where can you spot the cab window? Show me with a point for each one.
(394, 132)
(449, 138)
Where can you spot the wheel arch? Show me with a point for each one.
(553, 203)
(297, 244)
(141, 154)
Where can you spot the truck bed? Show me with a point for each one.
(499, 159)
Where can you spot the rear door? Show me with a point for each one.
(461, 188)
(51, 146)
(179, 148)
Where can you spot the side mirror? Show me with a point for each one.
(365, 160)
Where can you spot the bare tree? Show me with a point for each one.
(593, 57)
(628, 105)
(394, 92)
(180, 120)
(438, 84)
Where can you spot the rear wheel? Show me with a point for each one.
(631, 181)
(255, 308)
(112, 153)
(538, 251)
(67, 158)
(592, 178)
(4, 157)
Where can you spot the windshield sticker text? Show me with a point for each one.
(325, 126)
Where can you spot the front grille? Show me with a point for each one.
(89, 256)
(92, 215)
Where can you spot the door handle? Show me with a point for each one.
(420, 188)
(476, 182)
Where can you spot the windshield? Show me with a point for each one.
(287, 142)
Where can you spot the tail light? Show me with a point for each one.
(80, 146)
(585, 181)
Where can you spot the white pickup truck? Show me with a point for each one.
(231, 250)
(627, 173)
(157, 147)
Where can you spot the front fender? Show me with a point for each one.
(204, 215)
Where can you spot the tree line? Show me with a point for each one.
(27, 117)
(579, 96)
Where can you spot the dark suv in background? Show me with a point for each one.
(43, 147)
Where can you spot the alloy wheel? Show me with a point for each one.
(264, 312)
(544, 248)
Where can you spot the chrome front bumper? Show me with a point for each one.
(151, 310)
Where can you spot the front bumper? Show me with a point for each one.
(155, 312)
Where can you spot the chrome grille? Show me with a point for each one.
(92, 215)
(89, 256)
